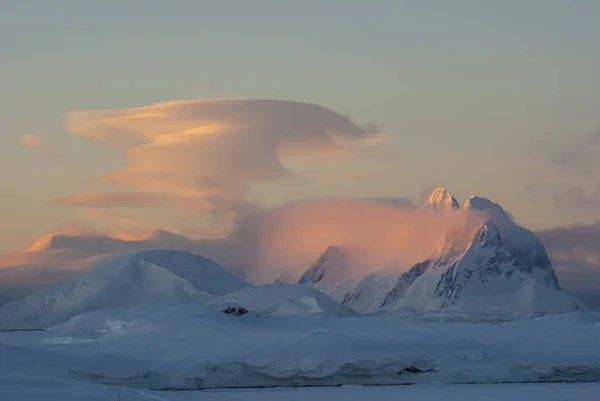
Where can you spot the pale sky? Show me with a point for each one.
(497, 98)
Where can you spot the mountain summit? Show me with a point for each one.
(486, 265)
(440, 200)
(484, 278)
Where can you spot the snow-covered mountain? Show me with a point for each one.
(395, 296)
(368, 294)
(204, 274)
(441, 200)
(143, 278)
(332, 274)
(485, 264)
(483, 278)
(287, 299)
(523, 244)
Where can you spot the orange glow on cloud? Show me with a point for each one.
(38, 144)
(205, 153)
(378, 235)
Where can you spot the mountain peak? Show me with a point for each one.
(479, 203)
(333, 250)
(333, 262)
(440, 200)
(487, 234)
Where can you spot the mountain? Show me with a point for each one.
(523, 244)
(335, 275)
(483, 278)
(441, 200)
(204, 274)
(486, 264)
(395, 296)
(368, 294)
(143, 278)
(331, 274)
(287, 299)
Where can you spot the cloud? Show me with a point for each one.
(204, 154)
(39, 144)
(579, 154)
(577, 243)
(116, 198)
(266, 244)
(572, 180)
(380, 233)
(575, 254)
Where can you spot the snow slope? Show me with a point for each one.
(143, 278)
(335, 275)
(483, 278)
(286, 299)
(203, 273)
(441, 200)
(395, 296)
(528, 251)
(190, 346)
(370, 292)
(332, 274)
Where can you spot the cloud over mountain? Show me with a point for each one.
(283, 241)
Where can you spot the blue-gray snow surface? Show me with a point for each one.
(191, 346)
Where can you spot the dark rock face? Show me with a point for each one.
(403, 282)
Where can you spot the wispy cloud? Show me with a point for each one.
(117, 198)
(39, 144)
(572, 176)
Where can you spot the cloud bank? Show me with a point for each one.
(577, 243)
(285, 241)
(380, 233)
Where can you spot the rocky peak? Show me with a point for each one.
(440, 200)
(487, 234)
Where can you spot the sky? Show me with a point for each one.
(188, 115)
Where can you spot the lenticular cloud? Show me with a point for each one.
(204, 154)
